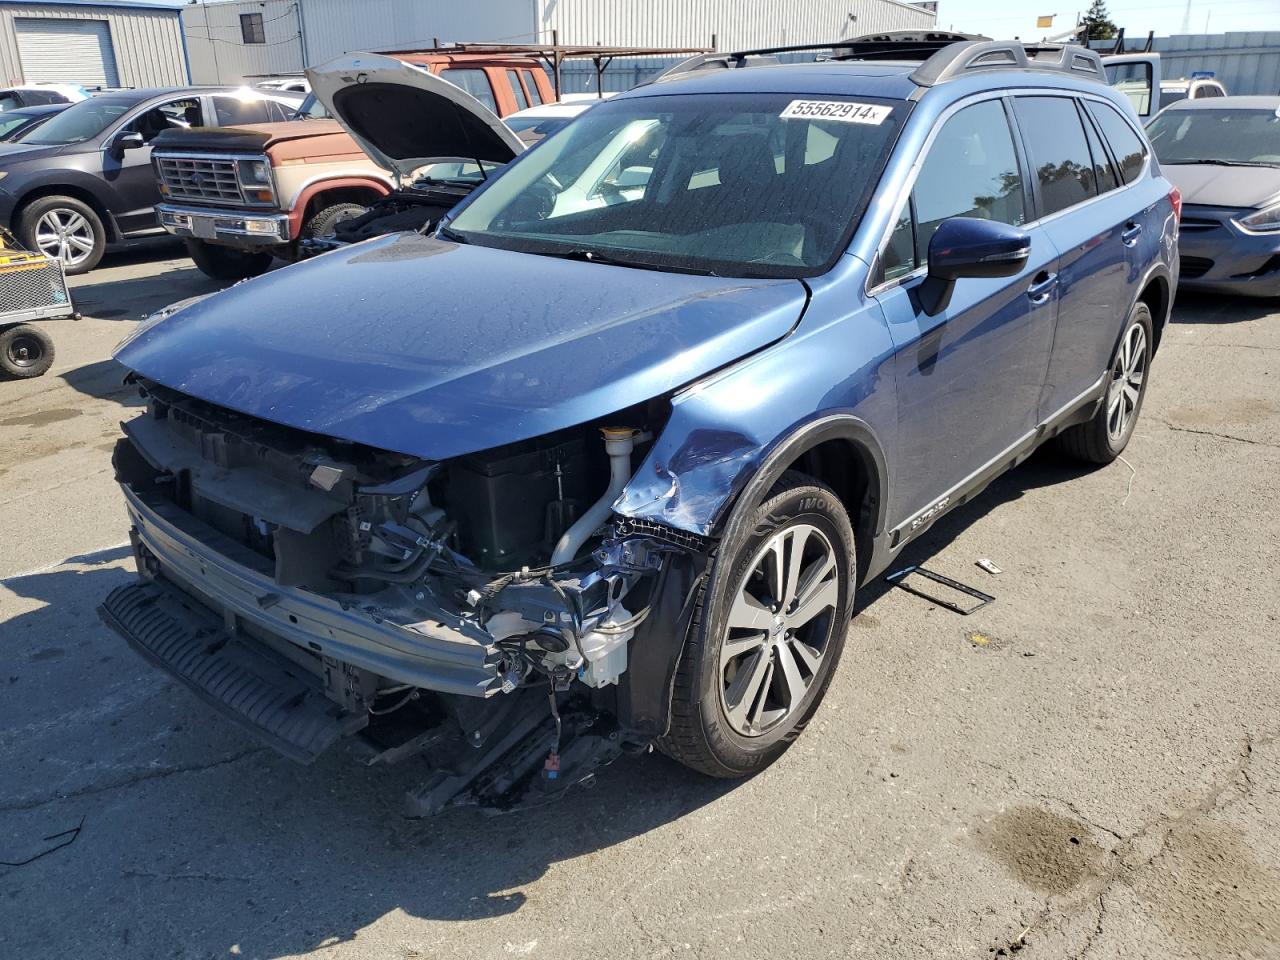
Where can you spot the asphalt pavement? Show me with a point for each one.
(1089, 766)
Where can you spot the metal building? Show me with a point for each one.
(230, 41)
(102, 43)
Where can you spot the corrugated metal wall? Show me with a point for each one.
(332, 27)
(147, 43)
(736, 25)
(339, 26)
(1247, 63)
(672, 23)
(215, 45)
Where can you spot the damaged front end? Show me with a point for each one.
(488, 612)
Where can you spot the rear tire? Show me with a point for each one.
(64, 228)
(1103, 438)
(767, 632)
(26, 351)
(227, 263)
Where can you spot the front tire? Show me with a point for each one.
(1103, 438)
(227, 263)
(323, 222)
(767, 632)
(66, 229)
(26, 351)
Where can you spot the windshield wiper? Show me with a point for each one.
(450, 234)
(1214, 162)
(595, 256)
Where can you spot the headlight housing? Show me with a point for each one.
(254, 173)
(1266, 220)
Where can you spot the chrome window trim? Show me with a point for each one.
(913, 172)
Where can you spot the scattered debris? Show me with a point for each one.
(898, 577)
(65, 839)
(985, 641)
(1132, 473)
(988, 566)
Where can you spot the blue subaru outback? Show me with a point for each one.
(601, 459)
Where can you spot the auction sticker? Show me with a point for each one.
(843, 110)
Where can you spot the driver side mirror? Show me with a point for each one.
(969, 247)
(130, 140)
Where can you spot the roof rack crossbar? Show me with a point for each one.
(898, 44)
(943, 56)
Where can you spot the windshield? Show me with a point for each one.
(311, 109)
(10, 122)
(81, 121)
(755, 185)
(1227, 136)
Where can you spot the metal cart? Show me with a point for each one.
(32, 288)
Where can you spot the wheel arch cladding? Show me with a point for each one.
(75, 192)
(1157, 295)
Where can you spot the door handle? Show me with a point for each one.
(1131, 233)
(1041, 288)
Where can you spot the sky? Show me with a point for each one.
(992, 17)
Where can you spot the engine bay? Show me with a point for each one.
(417, 207)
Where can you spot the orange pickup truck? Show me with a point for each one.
(241, 196)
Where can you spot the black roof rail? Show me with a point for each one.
(943, 56)
(959, 59)
(895, 45)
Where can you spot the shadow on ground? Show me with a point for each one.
(1213, 308)
(132, 298)
(242, 851)
(103, 379)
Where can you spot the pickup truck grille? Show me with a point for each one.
(211, 179)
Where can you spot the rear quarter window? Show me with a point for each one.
(1126, 145)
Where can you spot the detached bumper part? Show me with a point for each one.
(233, 226)
(242, 681)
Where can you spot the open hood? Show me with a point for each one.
(404, 118)
(411, 344)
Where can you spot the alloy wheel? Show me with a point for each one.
(1126, 382)
(779, 628)
(65, 234)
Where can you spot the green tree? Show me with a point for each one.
(1097, 20)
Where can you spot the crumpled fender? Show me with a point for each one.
(741, 425)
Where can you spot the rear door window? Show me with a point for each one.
(1126, 145)
(232, 111)
(531, 84)
(475, 81)
(1058, 150)
(517, 91)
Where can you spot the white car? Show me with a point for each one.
(39, 94)
(534, 123)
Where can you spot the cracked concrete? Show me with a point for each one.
(928, 811)
(140, 776)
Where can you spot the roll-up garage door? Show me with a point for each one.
(66, 51)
